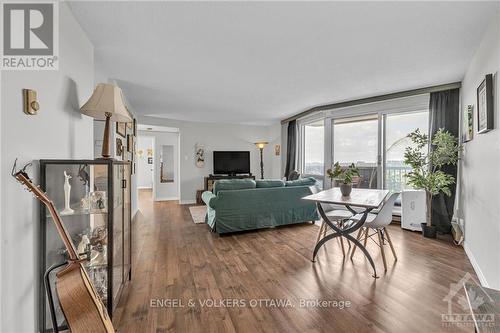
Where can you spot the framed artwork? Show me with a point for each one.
(135, 127)
(485, 105)
(468, 123)
(119, 147)
(121, 128)
(129, 142)
(150, 160)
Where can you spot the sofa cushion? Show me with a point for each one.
(233, 184)
(262, 183)
(309, 181)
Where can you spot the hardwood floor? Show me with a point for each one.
(175, 259)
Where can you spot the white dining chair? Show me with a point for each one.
(378, 223)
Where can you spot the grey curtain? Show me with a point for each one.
(444, 113)
(291, 147)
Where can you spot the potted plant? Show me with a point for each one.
(426, 167)
(343, 176)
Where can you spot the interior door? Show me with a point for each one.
(356, 140)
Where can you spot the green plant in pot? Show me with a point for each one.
(426, 167)
(343, 177)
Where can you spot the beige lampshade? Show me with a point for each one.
(106, 99)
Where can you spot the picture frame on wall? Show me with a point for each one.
(468, 123)
(485, 105)
(119, 147)
(130, 142)
(121, 129)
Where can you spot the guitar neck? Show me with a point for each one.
(73, 255)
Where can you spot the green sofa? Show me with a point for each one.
(245, 204)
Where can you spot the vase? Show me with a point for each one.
(345, 189)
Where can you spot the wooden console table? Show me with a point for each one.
(209, 181)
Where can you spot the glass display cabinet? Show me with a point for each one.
(93, 200)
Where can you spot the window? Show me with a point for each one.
(397, 127)
(355, 140)
(373, 136)
(313, 150)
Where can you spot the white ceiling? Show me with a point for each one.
(260, 62)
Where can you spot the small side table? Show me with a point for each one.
(198, 197)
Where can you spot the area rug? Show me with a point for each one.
(198, 213)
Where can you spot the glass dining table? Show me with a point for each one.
(366, 199)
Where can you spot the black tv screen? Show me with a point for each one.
(231, 162)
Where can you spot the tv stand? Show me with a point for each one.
(209, 181)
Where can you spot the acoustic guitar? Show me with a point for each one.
(81, 306)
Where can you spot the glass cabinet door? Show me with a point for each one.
(117, 231)
(126, 224)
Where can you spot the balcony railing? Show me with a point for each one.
(395, 177)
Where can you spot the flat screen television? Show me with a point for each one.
(231, 162)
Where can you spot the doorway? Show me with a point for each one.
(159, 165)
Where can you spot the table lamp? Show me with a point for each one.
(106, 103)
(261, 145)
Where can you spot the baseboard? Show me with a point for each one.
(475, 265)
(167, 199)
(187, 202)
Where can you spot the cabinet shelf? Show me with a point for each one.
(78, 212)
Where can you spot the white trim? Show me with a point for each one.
(144, 187)
(167, 199)
(187, 202)
(156, 128)
(475, 265)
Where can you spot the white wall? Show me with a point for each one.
(479, 195)
(144, 170)
(219, 137)
(58, 131)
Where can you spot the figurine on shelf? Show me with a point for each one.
(98, 256)
(83, 245)
(85, 203)
(98, 202)
(67, 190)
(99, 236)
